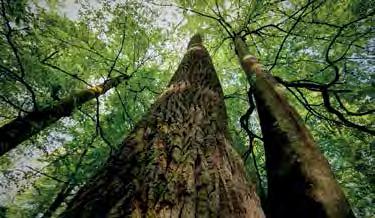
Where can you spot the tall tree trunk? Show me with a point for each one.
(59, 199)
(178, 161)
(22, 128)
(300, 181)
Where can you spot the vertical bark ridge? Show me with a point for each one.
(300, 181)
(178, 161)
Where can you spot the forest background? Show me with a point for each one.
(52, 49)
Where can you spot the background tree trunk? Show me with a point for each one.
(178, 161)
(300, 181)
(59, 199)
(22, 128)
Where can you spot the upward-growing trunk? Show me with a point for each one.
(178, 161)
(58, 200)
(300, 181)
(22, 128)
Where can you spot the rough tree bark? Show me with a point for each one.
(178, 161)
(22, 128)
(300, 181)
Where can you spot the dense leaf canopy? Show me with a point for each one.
(321, 52)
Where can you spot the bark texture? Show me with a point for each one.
(22, 128)
(178, 161)
(300, 181)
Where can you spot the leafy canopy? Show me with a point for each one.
(322, 53)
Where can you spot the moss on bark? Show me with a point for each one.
(300, 181)
(23, 127)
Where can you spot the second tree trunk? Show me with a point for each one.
(300, 181)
